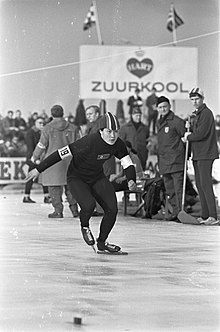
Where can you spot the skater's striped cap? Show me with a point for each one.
(109, 121)
(196, 92)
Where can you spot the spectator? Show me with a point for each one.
(3, 147)
(16, 147)
(32, 119)
(55, 135)
(80, 117)
(44, 116)
(137, 133)
(32, 138)
(151, 103)
(120, 111)
(93, 117)
(204, 151)
(171, 153)
(8, 124)
(135, 101)
(102, 106)
(20, 123)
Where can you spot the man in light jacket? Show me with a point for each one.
(56, 134)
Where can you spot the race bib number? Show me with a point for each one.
(64, 152)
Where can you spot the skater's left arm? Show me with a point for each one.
(127, 164)
(129, 170)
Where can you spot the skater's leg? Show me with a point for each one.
(104, 193)
(81, 192)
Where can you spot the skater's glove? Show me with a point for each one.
(32, 175)
(132, 185)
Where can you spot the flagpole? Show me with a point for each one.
(174, 44)
(97, 24)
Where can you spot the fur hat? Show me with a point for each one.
(162, 99)
(57, 111)
(196, 92)
(109, 121)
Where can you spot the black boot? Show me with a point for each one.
(107, 246)
(55, 215)
(88, 236)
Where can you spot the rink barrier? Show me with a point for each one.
(14, 170)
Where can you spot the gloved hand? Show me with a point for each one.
(184, 138)
(32, 175)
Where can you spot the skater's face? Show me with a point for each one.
(109, 136)
(196, 101)
(163, 108)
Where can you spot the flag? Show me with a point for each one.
(90, 19)
(173, 21)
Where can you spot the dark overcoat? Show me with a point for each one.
(171, 149)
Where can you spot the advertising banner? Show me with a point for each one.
(113, 72)
(12, 170)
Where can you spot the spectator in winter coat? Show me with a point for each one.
(204, 151)
(56, 134)
(171, 153)
(93, 116)
(137, 133)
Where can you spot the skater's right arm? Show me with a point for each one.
(52, 159)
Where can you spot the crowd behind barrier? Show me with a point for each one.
(14, 127)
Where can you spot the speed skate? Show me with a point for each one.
(106, 252)
(105, 248)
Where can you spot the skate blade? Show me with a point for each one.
(186, 218)
(106, 252)
(93, 247)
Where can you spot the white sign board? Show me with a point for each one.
(113, 72)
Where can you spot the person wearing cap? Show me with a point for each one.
(203, 142)
(54, 135)
(135, 101)
(86, 179)
(136, 132)
(171, 153)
